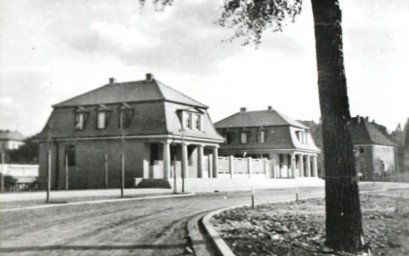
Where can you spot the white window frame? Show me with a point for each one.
(101, 124)
(244, 138)
(261, 138)
(79, 121)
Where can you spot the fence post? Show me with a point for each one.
(231, 166)
(48, 176)
(106, 170)
(66, 172)
(2, 172)
(265, 167)
(252, 198)
(250, 166)
(122, 174)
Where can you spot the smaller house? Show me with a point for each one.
(10, 140)
(406, 147)
(269, 134)
(375, 153)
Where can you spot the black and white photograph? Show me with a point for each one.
(204, 127)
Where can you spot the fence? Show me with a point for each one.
(230, 167)
(18, 177)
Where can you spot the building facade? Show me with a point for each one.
(144, 127)
(10, 140)
(269, 134)
(375, 153)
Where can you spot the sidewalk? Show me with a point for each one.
(100, 193)
(191, 186)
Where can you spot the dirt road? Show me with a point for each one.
(147, 227)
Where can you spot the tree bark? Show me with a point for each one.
(343, 213)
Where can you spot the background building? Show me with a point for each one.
(269, 134)
(10, 140)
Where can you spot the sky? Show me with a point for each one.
(53, 50)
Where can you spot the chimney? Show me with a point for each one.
(112, 80)
(367, 118)
(270, 108)
(149, 77)
(243, 109)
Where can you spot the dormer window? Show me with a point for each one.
(192, 120)
(198, 122)
(102, 117)
(188, 120)
(125, 116)
(80, 118)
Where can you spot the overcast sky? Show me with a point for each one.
(53, 50)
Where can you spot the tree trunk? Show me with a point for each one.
(343, 213)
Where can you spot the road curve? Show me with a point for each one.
(145, 227)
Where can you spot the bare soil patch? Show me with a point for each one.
(299, 229)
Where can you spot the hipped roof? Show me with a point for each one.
(136, 91)
(364, 132)
(257, 119)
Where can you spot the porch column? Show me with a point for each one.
(301, 171)
(200, 166)
(210, 167)
(308, 166)
(215, 162)
(166, 160)
(293, 165)
(287, 164)
(314, 166)
(184, 160)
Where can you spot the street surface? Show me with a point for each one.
(146, 227)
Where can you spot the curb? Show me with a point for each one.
(97, 202)
(220, 245)
(197, 240)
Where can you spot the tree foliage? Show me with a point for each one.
(249, 19)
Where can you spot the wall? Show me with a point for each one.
(385, 154)
(89, 171)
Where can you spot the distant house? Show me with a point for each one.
(376, 154)
(272, 135)
(10, 140)
(406, 147)
(151, 124)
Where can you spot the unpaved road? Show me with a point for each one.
(147, 227)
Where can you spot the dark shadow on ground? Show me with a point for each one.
(90, 247)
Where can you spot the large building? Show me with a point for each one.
(269, 134)
(146, 124)
(376, 154)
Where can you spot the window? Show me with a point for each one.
(243, 138)
(361, 150)
(69, 155)
(198, 122)
(101, 119)
(228, 138)
(79, 121)
(188, 120)
(125, 118)
(261, 137)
